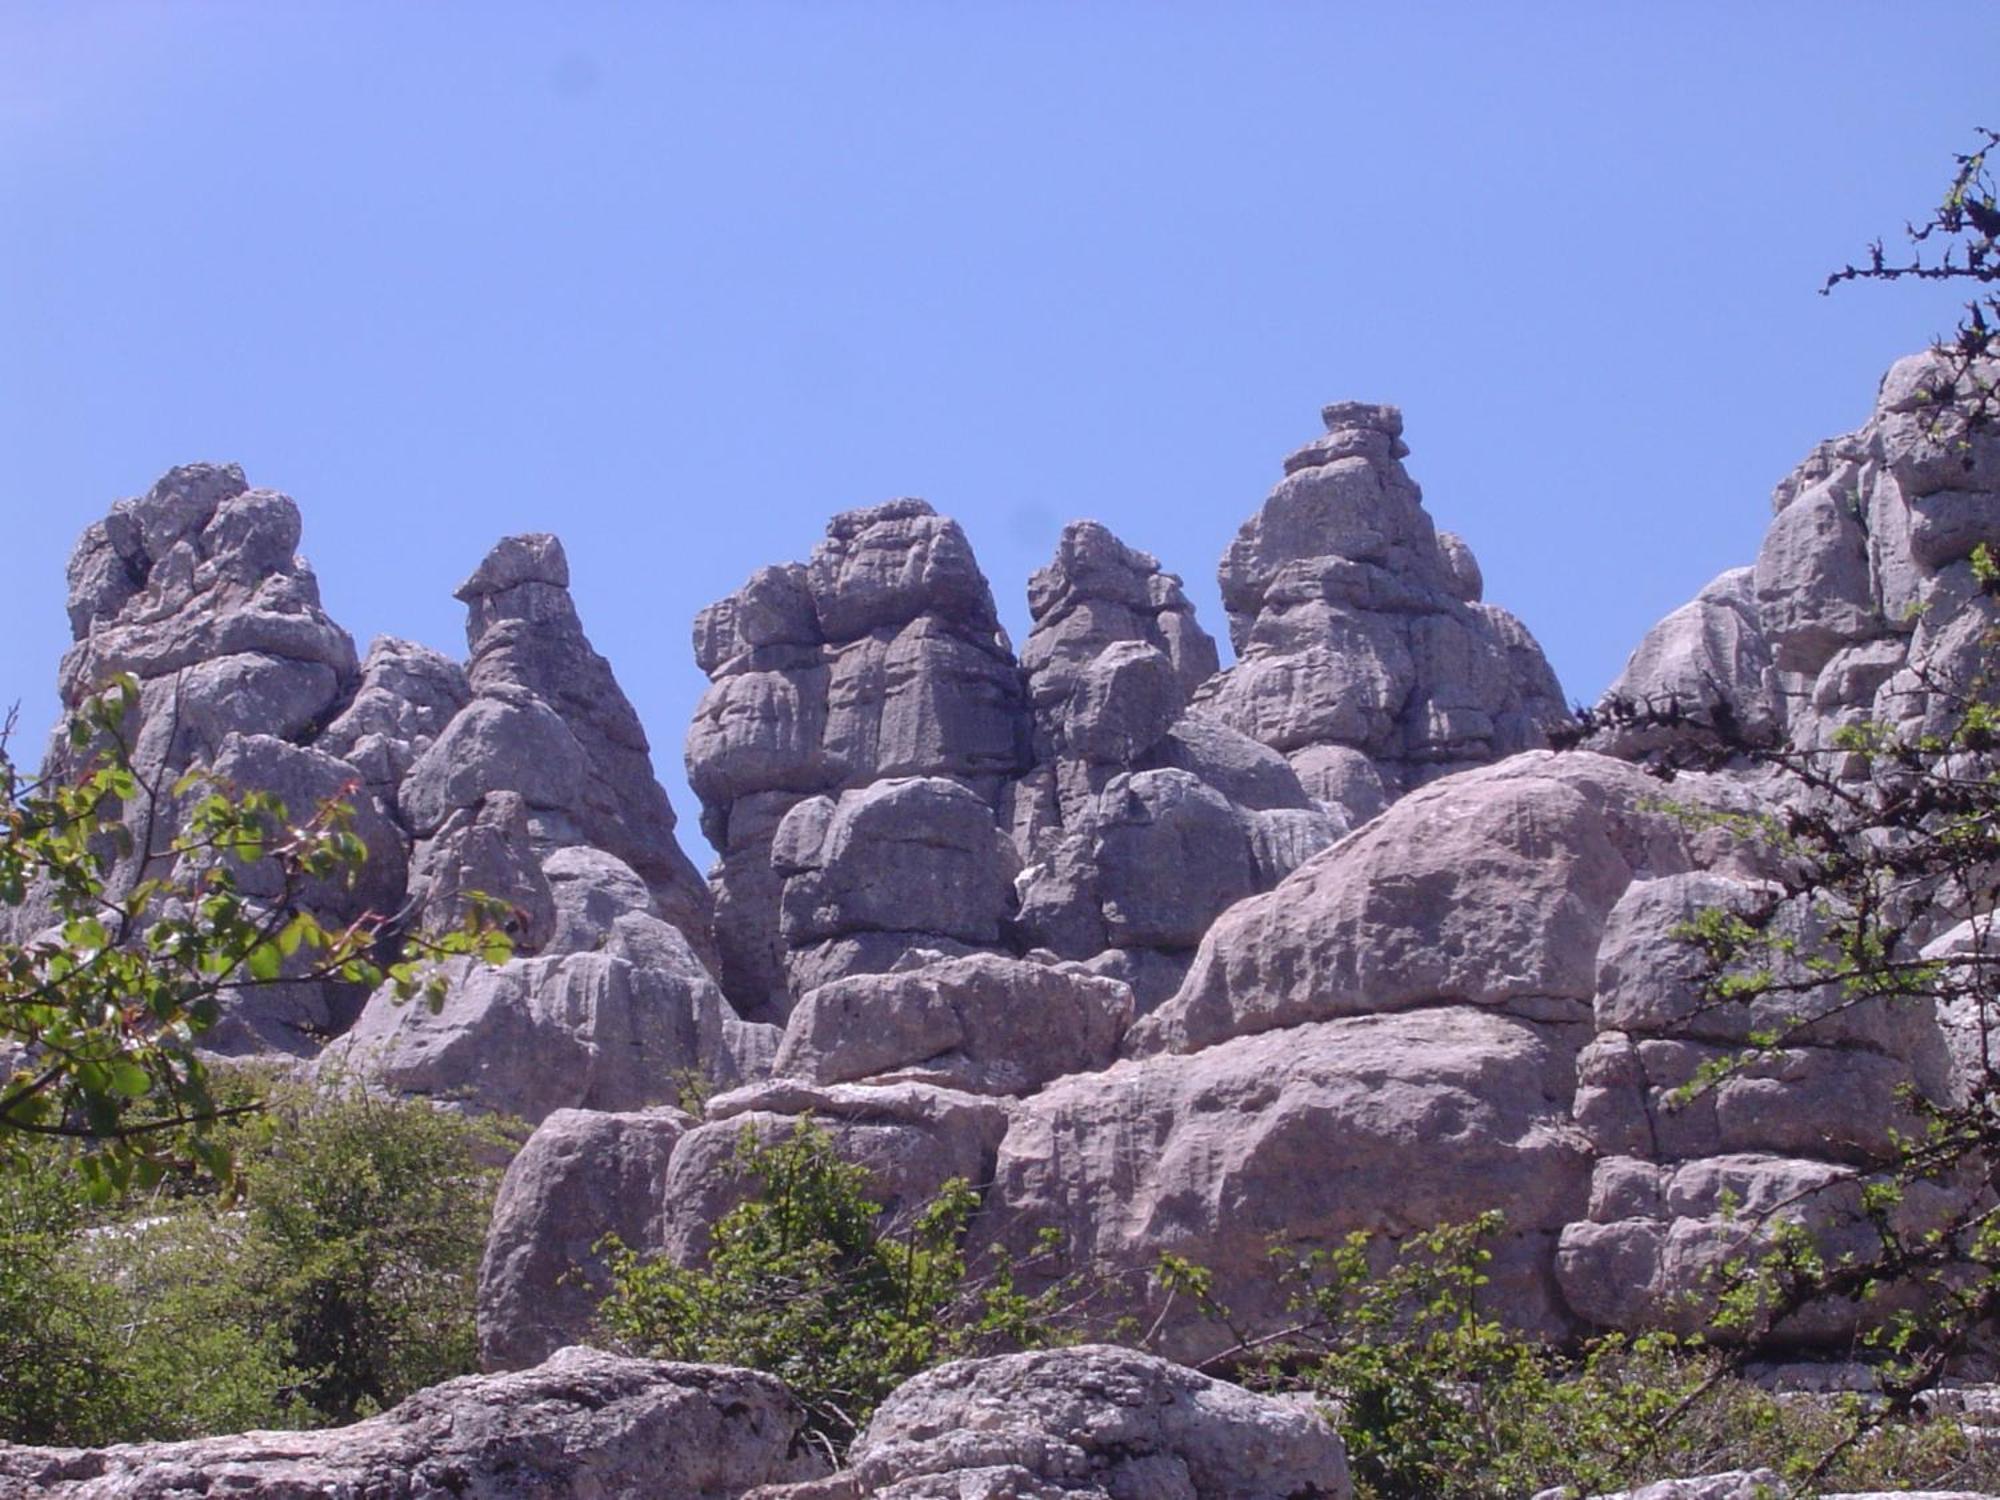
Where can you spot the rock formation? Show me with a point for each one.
(583, 1426)
(1158, 955)
(1863, 599)
(1088, 1423)
(1364, 651)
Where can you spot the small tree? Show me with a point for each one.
(807, 1279)
(101, 1009)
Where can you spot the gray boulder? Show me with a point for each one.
(1387, 1123)
(1092, 1421)
(911, 1138)
(903, 861)
(985, 1024)
(582, 1426)
(583, 1174)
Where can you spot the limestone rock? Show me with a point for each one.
(1709, 659)
(1391, 1123)
(407, 694)
(1094, 1420)
(1355, 627)
(880, 658)
(915, 856)
(530, 656)
(583, 1174)
(911, 1137)
(621, 1027)
(1490, 888)
(985, 1024)
(582, 1426)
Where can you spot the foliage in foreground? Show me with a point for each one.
(808, 1280)
(340, 1282)
(1437, 1400)
(138, 929)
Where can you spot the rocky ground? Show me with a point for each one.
(1163, 956)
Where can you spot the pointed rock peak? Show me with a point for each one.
(532, 557)
(1092, 563)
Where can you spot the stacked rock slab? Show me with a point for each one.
(1863, 605)
(880, 659)
(195, 590)
(1863, 595)
(539, 792)
(1385, 1041)
(1141, 821)
(1364, 652)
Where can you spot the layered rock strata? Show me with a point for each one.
(1365, 653)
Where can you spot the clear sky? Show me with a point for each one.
(678, 282)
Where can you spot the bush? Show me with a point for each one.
(808, 1281)
(1437, 1400)
(339, 1282)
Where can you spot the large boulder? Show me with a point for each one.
(1091, 1421)
(583, 1174)
(1296, 1138)
(895, 866)
(1490, 888)
(583, 1426)
(621, 1026)
(982, 1023)
(912, 1138)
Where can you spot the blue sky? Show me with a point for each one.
(678, 282)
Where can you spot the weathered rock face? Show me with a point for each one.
(1140, 820)
(1389, 1123)
(1092, 1421)
(583, 1426)
(1862, 598)
(583, 1175)
(547, 723)
(527, 779)
(903, 864)
(1682, 1188)
(880, 658)
(912, 1138)
(984, 1024)
(1364, 653)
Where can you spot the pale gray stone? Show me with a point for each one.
(1381, 1123)
(985, 1024)
(1093, 1420)
(582, 1175)
(584, 1425)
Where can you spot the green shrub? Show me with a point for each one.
(1438, 1400)
(809, 1281)
(340, 1280)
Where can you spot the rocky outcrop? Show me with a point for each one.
(984, 1024)
(547, 724)
(1090, 1423)
(582, 1426)
(1863, 602)
(880, 658)
(1364, 652)
(1140, 821)
(1386, 1123)
(1686, 1184)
